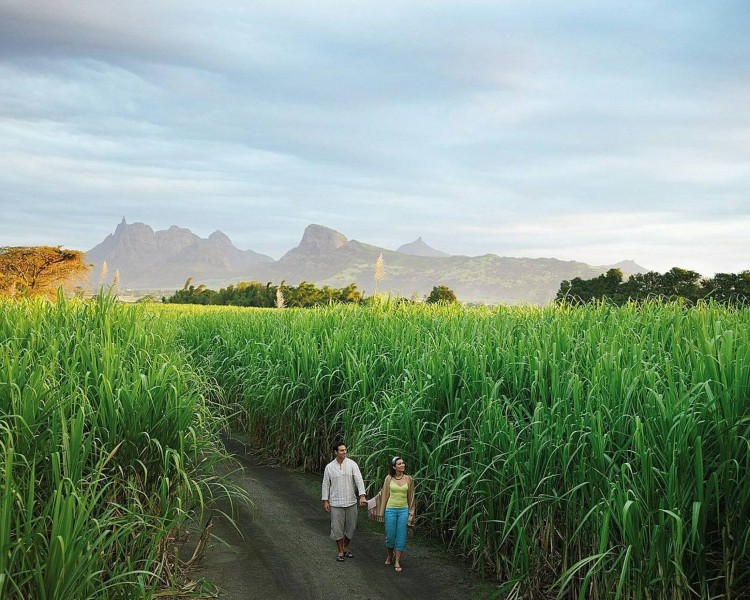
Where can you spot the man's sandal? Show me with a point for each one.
(340, 559)
(348, 554)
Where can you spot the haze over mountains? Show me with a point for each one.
(164, 260)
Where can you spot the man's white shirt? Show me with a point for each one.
(339, 481)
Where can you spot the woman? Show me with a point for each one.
(395, 505)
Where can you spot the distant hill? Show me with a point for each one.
(148, 259)
(163, 259)
(628, 267)
(419, 248)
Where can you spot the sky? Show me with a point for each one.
(595, 131)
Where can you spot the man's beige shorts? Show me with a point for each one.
(343, 522)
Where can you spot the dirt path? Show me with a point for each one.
(284, 551)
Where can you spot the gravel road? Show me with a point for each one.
(283, 551)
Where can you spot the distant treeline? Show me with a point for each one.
(254, 293)
(726, 288)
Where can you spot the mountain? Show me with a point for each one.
(419, 248)
(484, 279)
(148, 259)
(628, 267)
(164, 259)
(316, 241)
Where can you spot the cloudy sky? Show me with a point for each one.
(583, 130)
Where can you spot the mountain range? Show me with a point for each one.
(163, 260)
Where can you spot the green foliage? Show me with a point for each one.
(729, 288)
(107, 448)
(256, 294)
(441, 294)
(598, 452)
(675, 284)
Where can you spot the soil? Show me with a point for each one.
(281, 549)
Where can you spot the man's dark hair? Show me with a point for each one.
(336, 445)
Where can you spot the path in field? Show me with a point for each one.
(285, 552)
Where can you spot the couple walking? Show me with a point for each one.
(394, 504)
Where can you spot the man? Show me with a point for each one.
(340, 478)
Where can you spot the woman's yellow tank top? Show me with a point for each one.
(397, 498)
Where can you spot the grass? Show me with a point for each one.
(108, 442)
(596, 452)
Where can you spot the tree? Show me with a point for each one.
(643, 286)
(675, 284)
(580, 291)
(681, 283)
(304, 295)
(40, 270)
(728, 288)
(441, 294)
(350, 294)
(254, 293)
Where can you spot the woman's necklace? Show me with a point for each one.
(399, 478)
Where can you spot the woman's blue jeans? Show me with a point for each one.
(395, 528)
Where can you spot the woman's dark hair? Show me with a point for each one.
(392, 465)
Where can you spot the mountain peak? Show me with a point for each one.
(149, 258)
(628, 267)
(320, 240)
(419, 248)
(316, 241)
(219, 237)
(121, 226)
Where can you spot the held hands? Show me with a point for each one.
(362, 502)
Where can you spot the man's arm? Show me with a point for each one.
(360, 484)
(326, 490)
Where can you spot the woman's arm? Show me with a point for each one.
(411, 502)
